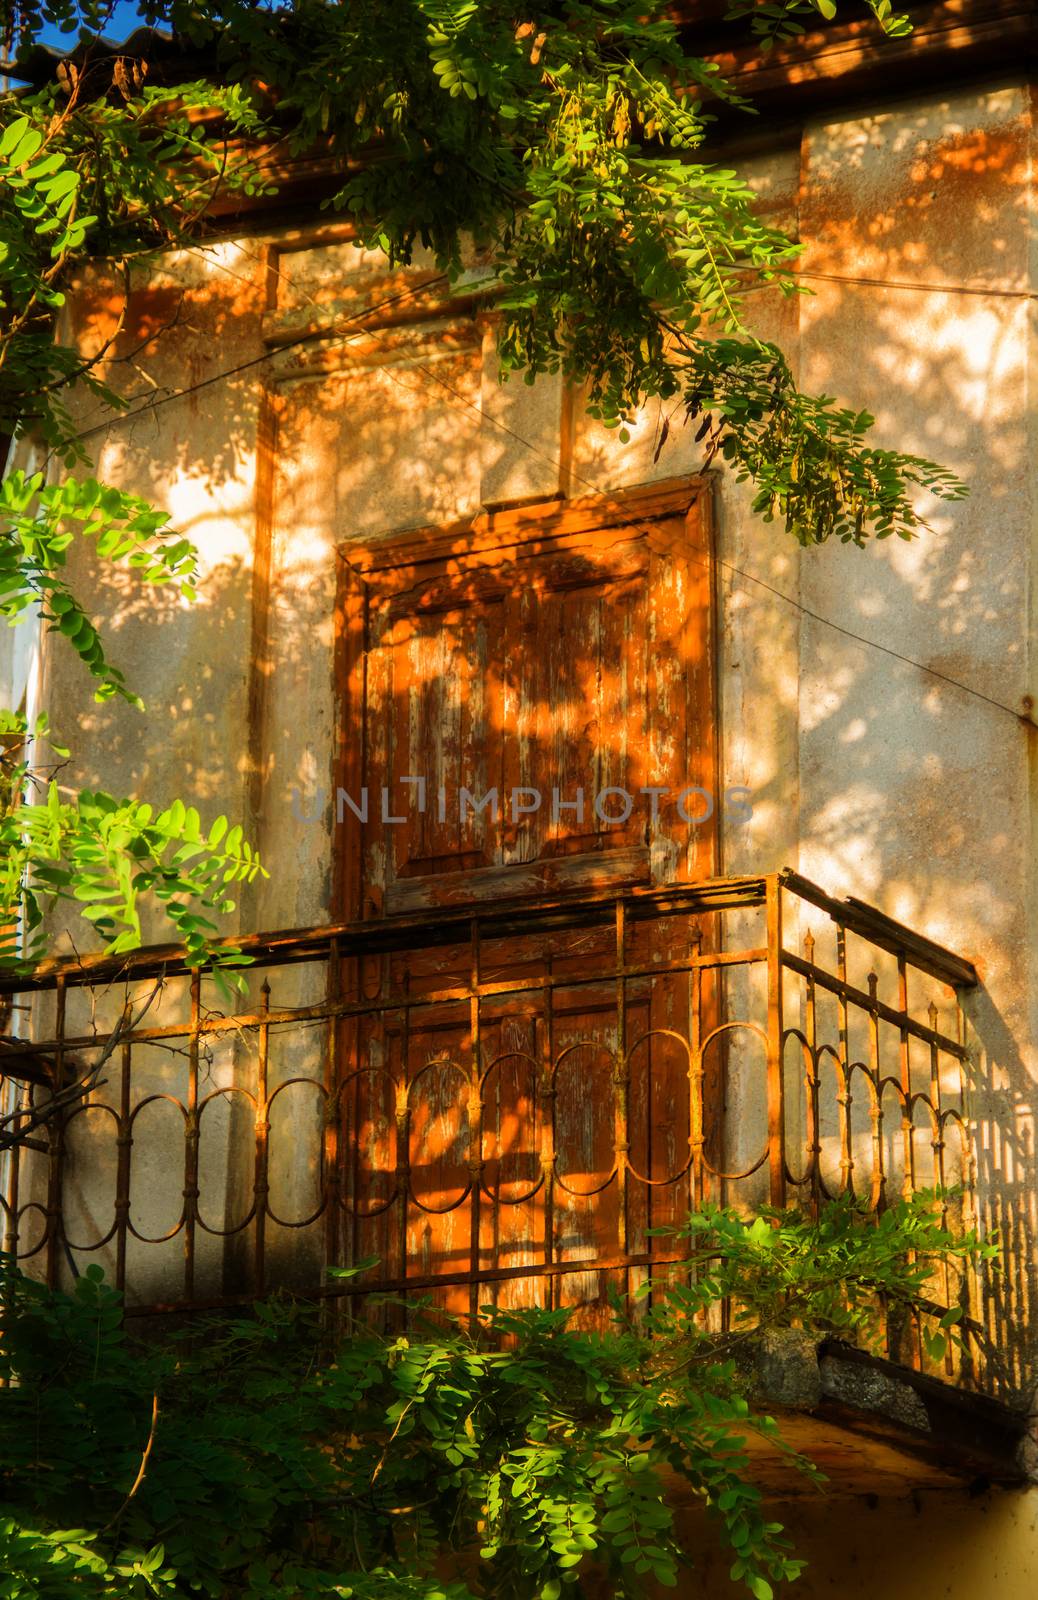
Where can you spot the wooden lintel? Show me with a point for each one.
(551, 518)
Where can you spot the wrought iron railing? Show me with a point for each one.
(505, 1105)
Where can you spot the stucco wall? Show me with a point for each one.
(916, 791)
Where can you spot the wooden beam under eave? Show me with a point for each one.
(844, 61)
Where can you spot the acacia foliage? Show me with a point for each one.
(261, 1458)
(79, 175)
(570, 141)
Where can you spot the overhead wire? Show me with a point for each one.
(986, 290)
(312, 335)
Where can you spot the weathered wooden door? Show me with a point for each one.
(528, 717)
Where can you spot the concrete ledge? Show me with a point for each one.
(963, 1432)
(874, 1427)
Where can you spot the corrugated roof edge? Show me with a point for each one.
(168, 58)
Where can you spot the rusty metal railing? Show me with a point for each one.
(505, 1104)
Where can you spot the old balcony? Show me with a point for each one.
(508, 1107)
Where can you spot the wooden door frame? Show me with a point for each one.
(643, 508)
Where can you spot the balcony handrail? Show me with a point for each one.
(447, 925)
(858, 916)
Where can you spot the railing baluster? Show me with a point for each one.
(548, 1130)
(621, 1141)
(969, 1152)
(124, 1149)
(56, 1145)
(403, 1138)
(475, 1116)
(261, 1183)
(970, 1276)
(191, 1139)
(776, 1088)
(878, 1184)
(698, 1177)
(329, 1195)
(935, 1101)
(814, 1141)
(905, 1061)
(938, 1161)
(843, 1095)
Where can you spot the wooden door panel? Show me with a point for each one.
(518, 704)
(514, 1138)
(438, 716)
(509, 1157)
